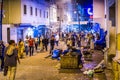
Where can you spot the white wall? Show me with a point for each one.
(4, 32)
(118, 15)
(13, 34)
(53, 13)
(99, 12)
(33, 19)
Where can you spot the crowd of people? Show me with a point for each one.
(10, 54)
(81, 39)
(38, 44)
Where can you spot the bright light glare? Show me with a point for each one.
(29, 32)
(75, 12)
(69, 17)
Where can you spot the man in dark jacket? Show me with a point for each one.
(2, 47)
(11, 57)
(52, 43)
(45, 42)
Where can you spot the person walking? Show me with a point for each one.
(21, 49)
(52, 43)
(26, 45)
(78, 39)
(73, 40)
(36, 43)
(45, 42)
(31, 46)
(57, 39)
(2, 48)
(41, 44)
(11, 58)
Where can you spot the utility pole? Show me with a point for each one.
(1, 15)
(78, 15)
(60, 20)
(79, 21)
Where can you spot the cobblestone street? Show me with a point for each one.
(38, 67)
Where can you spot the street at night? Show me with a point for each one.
(59, 39)
(40, 68)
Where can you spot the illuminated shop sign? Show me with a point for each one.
(90, 11)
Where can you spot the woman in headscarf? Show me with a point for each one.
(21, 49)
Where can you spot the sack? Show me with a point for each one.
(5, 70)
(56, 53)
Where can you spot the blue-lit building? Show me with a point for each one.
(77, 16)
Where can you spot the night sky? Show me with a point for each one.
(85, 3)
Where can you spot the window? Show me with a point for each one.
(47, 14)
(58, 6)
(31, 11)
(44, 14)
(25, 9)
(36, 11)
(58, 18)
(40, 12)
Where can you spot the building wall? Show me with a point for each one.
(117, 75)
(118, 16)
(14, 14)
(12, 34)
(99, 12)
(12, 11)
(60, 11)
(53, 13)
(33, 19)
(118, 25)
(4, 32)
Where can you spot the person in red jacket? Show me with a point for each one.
(31, 46)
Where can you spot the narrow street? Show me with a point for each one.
(38, 67)
(88, 31)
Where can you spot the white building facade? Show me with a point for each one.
(21, 16)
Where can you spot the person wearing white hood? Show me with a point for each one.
(57, 39)
(10, 62)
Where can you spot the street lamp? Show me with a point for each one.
(1, 15)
